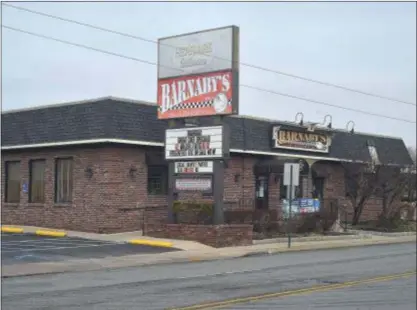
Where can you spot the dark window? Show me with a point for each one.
(318, 188)
(63, 180)
(12, 190)
(157, 180)
(261, 192)
(37, 181)
(282, 188)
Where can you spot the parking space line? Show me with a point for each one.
(54, 240)
(60, 248)
(43, 246)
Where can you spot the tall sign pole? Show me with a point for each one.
(198, 76)
(291, 180)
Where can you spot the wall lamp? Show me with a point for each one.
(352, 130)
(329, 124)
(299, 118)
(132, 172)
(88, 172)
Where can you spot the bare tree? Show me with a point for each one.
(361, 184)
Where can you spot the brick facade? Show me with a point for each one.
(113, 200)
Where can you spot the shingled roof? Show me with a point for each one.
(121, 119)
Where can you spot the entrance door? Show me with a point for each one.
(318, 188)
(261, 192)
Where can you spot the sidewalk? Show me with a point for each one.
(194, 255)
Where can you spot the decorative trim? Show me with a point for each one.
(160, 144)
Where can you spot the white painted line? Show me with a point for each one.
(55, 240)
(61, 248)
(51, 246)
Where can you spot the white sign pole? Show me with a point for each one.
(291, 180)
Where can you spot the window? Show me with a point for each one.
(12, 190)
(282, 188)
(63, 180)
(37, 181)
(157, 180)
(318, 188)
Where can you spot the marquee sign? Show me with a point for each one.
(193, 184)
(194, 167)
(300, 140)
(194, 143)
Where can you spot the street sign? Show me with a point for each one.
(291, 174)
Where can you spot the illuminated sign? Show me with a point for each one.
(297, 140)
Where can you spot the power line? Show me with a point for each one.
(241, 63)
(242, 85)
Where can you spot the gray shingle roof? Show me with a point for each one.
(113, 118)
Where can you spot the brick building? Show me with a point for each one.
(97, 165)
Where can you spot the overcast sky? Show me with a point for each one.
(366, 46)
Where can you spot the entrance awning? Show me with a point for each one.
(276, 165)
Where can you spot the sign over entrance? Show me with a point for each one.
(297, 140)
(194, 143)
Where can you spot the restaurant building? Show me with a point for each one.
(99, 165)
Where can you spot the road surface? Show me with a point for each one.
(293, 280)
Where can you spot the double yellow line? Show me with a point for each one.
(319, 288)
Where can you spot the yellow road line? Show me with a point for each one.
(320, 288)
(50, 233)
(164, 244)
(9, 229)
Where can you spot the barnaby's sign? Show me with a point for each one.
(200, 95)
(194, 167)
(300, 140)
(194, 143)
(198, 52)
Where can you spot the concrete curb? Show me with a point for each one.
(32, 269)
(11, 230)
(61, 234)
(163, 244)
(324, 246)
(51, 233)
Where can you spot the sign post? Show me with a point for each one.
(291, 180)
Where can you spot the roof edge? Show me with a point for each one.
(86, 101)
(158, 144)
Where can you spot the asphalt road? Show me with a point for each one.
(180, 285)
(25, 248)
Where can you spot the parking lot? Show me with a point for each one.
(24, 248)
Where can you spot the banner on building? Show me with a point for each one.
(300, 140)
(198, 74)
(193, 167)
(300, 206)
(195, 143)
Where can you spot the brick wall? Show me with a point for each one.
(108, 202)
(113, 201)
(213, 235)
